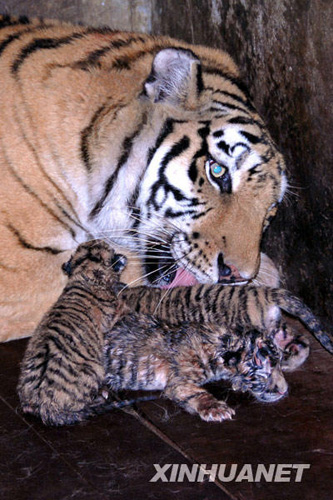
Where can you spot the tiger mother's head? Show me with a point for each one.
(213, 178)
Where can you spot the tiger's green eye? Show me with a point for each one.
(217, 170)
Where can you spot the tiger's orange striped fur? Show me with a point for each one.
(145, 141)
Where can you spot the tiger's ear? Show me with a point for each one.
(176, 78)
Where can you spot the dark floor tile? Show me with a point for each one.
(30, 468)
(109, 457)
(113, 456)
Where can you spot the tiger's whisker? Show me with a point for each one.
(130, 284)
(129, 236)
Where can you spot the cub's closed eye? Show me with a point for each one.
(262, 356)
(218, 175)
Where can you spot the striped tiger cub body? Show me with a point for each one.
(143, 353)
(247, 307)
(147, 141)
(63, 369)
(175, 343)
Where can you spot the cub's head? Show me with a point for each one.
(95, 260)
(214, 177)
(259, 369)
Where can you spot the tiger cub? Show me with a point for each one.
(143, 353)
(248, 306)
(64, 365)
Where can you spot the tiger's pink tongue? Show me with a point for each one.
(182, 278)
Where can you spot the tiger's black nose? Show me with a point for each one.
(224, 270)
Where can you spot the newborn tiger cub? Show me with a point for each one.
(248, 307)
(62, 369)
(143, 353)
(79, 347)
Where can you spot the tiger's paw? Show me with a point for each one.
(213, 410)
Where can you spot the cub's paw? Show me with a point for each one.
(212, 410)
(294, 346)
(295, 353)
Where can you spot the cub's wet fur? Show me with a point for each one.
(143, 353)
(84, 342)
(248, 306)
(63, 368)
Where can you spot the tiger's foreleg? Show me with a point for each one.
(195, 399)
(186, 389)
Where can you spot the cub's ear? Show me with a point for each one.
(67, 267)
(176, 77)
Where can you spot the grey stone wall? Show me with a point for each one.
(133, 15)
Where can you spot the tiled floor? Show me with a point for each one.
(113, 456)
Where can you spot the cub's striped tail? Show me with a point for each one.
(57, 417)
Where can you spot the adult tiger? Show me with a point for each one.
(144, 140)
